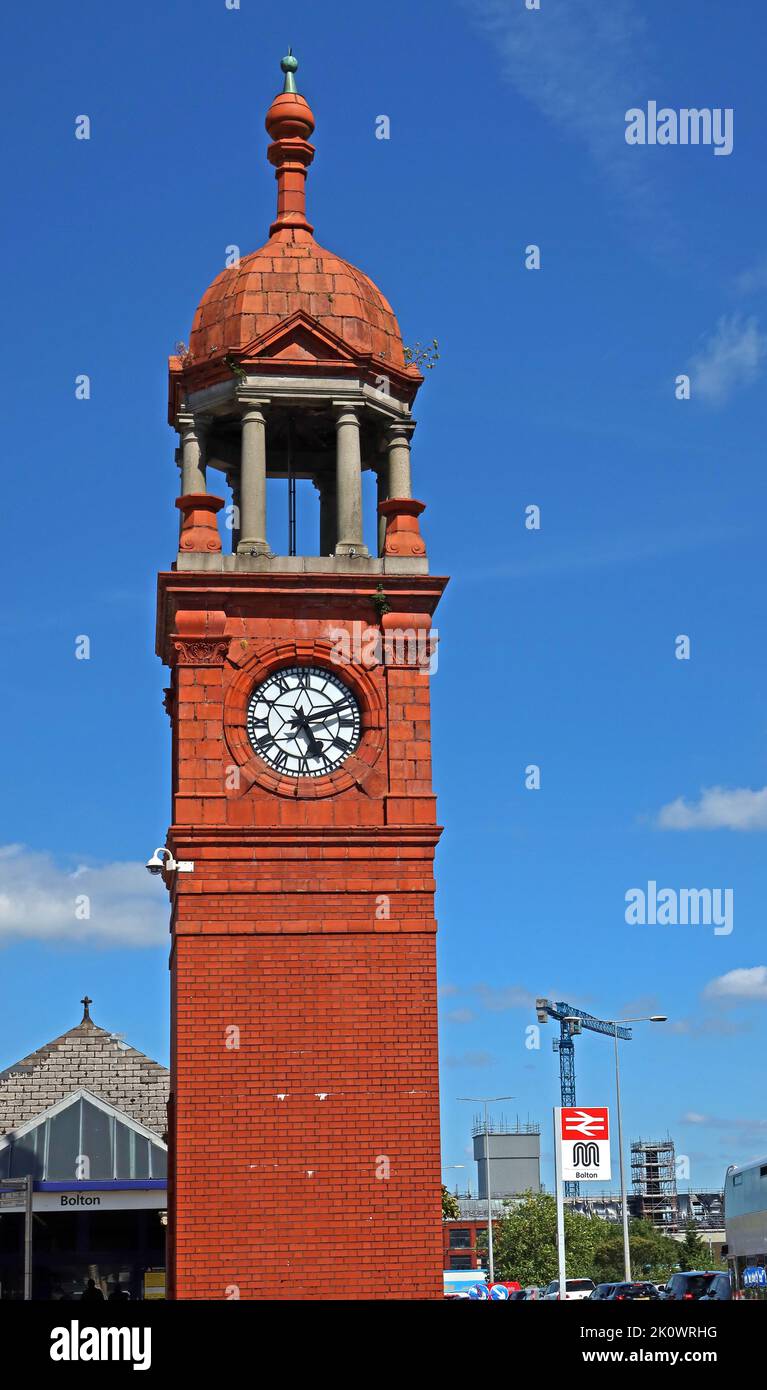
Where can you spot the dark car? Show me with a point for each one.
(636, 1289)
(696, 1284)
(601, 1291)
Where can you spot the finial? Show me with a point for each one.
(289, 66)
(86, 1003)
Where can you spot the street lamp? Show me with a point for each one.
(615, 1024)
(446, 1167)
(485, 1101)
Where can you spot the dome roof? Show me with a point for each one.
(292, 272)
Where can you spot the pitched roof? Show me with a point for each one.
(90, 1058)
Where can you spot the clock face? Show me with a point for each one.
(303, 721)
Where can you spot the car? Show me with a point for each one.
(636, 1289)
(517, 1296)
(601, 1291)
(713, 1285)
(533, 1293)
(574, 1288)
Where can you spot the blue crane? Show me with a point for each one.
(571, 1021)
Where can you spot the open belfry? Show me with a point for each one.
(304, 1111)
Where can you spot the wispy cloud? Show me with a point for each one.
(753, 280)
(470, 1060)
(507, 997)
(718, 808)
(581, 66)
(730, 359)
(708, 1027)
(104, 905)
(461, 1016)
(616, 551)
(749, 982)
(741, 1123)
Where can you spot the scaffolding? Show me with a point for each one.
(653, 1176)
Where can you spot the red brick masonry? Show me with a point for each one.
(303, 958)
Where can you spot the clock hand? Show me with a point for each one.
(314, 748)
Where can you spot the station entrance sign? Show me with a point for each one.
(583, 1141)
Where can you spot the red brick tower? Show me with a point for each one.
(304, 1113)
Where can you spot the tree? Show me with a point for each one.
(653, 1255)
(451, 1211)
(692, 1252)
(525, 1242)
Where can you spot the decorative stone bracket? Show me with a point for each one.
(199, 529)
(403, 536)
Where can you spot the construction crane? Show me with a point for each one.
(572, 1021)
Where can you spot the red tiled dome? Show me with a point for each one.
(292, 272)
(289, 273)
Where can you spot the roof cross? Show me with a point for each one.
(86, 1002)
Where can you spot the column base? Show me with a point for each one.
(354, 549)
(254, 547)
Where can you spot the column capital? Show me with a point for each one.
(248, 403)
(397, 431)
(346, 412)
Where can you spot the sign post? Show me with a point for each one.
(581, 1154)
(559, 1189)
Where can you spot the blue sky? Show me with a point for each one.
(554, 387)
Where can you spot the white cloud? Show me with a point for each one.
(719, 808)
(470, 1060)
(730, 358)
(510, 997)
(753, 280)
(581, 66)
(41, 901)
(461, 1016)
(746, 983)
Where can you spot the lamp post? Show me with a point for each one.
(615, 1023)
(485, 1101)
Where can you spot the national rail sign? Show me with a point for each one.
(583, 1137)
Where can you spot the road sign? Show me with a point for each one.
(583, 1139)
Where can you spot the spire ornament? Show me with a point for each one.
(290, 122)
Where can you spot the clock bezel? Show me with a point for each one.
(311, 679)
(259, 660)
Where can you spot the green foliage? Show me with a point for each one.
(525, 1246)
(450, 1206)
(423, 357)
(693, 1253)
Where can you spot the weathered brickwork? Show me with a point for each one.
(308, 925)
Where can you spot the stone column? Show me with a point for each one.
(398, 445)
(326, 487)
(253, 483)
(348, 483)
(192, 432)
(382, 494)
(233, 479)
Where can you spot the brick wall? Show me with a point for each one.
(303, 962)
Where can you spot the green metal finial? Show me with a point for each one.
(289, 66)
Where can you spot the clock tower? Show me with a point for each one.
(304, 1118)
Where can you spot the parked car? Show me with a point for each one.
(533, 1293)
(601, 1291)
(636, 1289)
(697, 1284)
(574, 1288)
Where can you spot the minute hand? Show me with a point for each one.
(323, 713)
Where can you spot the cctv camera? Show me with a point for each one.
(161, 859)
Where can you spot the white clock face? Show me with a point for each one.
(303, 721)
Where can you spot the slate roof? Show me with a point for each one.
(96, 1060)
